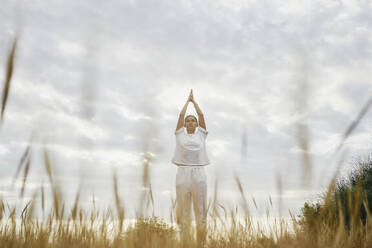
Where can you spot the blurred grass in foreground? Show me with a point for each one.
(74, 227)
(321, 225)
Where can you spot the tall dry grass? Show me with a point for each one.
(73, 226)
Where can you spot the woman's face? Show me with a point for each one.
(191, 123)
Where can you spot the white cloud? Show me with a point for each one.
(71, 48)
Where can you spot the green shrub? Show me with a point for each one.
(350, 202)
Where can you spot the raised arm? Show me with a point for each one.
(199, 112)
(181, 118)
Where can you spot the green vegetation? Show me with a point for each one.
(347, 205)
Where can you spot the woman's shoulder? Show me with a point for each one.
(178, 131)
(203, 131)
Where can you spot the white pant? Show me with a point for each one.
(191, 186)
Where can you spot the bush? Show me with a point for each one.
(150, 232)
(350, 201)
(355, 193)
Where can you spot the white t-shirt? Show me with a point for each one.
(190, 148)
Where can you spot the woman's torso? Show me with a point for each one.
(190, 148)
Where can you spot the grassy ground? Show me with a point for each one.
(78, 228)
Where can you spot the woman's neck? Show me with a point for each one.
(190, 131)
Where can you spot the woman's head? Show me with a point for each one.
(191, 123)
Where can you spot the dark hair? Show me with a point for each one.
(191, 116)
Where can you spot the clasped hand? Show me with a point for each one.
(191, 97)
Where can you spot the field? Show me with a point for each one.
(73, 226)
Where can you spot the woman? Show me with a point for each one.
(190, 156)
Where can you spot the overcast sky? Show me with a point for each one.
(101, 83)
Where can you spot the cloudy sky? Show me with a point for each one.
(100, 84)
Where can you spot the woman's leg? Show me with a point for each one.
(199, 198)
(183, 195)
(199, 194)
